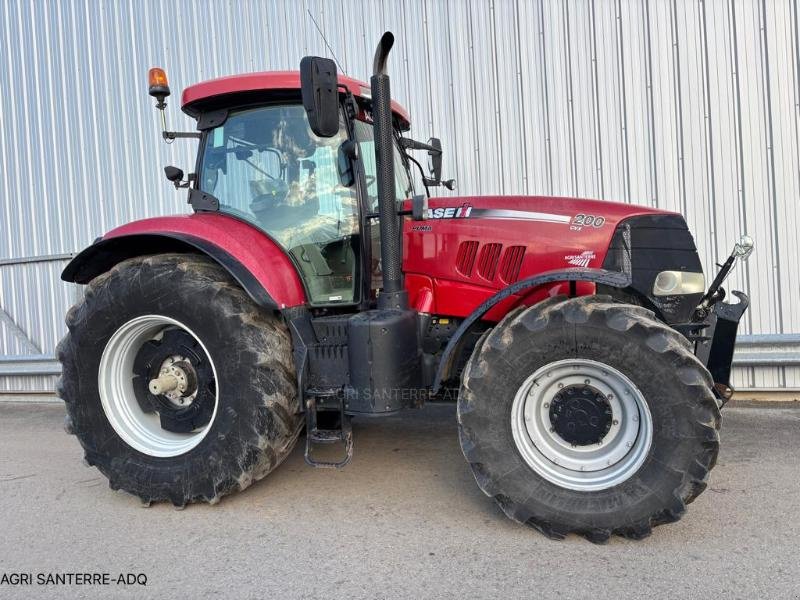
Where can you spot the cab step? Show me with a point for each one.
(337, 431)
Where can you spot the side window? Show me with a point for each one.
(264, 165)
(403, 189)
(402, 184)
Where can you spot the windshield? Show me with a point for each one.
(265, 165)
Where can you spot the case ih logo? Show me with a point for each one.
(450, 212)
(580, 260)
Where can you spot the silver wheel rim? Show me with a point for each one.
(599, 466)
(139, 429)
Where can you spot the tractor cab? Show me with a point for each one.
(316, 196)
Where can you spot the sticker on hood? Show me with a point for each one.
(580, 260)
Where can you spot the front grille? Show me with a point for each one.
(658, 243)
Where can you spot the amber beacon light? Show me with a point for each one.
(158, 85)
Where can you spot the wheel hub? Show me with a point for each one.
(581, 424)
(581, 415)
(177, 381)
(181, 413)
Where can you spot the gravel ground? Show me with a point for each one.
(404, 519)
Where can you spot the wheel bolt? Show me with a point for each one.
(561, 385)
(587, 381)
(547, 405)
(615, 422)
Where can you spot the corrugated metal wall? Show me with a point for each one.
(690, 106)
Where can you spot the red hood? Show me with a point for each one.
(472, 246)
(565, 207)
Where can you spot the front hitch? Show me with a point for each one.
(717, 350)
(720, 321)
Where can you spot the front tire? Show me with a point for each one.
(228, 414)
(588, 416)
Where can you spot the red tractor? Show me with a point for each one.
(312, 285)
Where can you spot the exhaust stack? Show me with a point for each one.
(393, 295)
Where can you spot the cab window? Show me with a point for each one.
(403, 189)
(266, 166)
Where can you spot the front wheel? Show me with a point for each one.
(176, 384)
(588, 416)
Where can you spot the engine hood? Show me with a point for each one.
(471, 246)
(539, 209)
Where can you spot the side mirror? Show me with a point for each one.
(174, 174)
(319, 88)
(348, 152)
(435, 160)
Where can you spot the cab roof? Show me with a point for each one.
(199, 94)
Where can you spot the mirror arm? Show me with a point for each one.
(425, 180)
(173, 135)
(409, 144)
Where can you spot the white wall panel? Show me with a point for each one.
(685, 105)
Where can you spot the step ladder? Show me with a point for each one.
(343, 434)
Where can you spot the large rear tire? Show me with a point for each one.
(233, 417)
(588, 416)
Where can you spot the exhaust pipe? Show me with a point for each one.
(393, 295)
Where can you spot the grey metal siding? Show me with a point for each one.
(685, 105)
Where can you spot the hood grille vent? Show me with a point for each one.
(511, 263)
(465, 259)
(487, 261)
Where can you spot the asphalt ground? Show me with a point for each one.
(404, 520)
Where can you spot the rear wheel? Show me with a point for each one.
(587, 416)
(177, 385)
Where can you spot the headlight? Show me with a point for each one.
(672, 283)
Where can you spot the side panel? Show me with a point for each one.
(470, 248)
(252, 255)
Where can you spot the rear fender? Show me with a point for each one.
(256, 261)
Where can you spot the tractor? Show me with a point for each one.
(314, 282)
